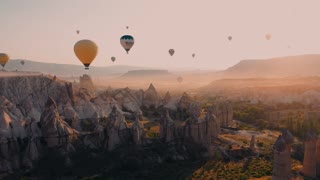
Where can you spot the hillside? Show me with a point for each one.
(144, 73)
(68, 69)
(302, 65)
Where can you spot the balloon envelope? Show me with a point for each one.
(127, 42)
(86, 51)
(4, 58)
(171, 52)
(113, 59)
(229, 38)
(78, 31)
(193, 55)
(22, 62)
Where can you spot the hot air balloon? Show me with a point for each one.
(22, 62)
(78, 31)
(193, 55)
(86, 51)
(229, 38)
(180, 79)
(113, 59)
(127, 27)
(171, 52)
(127, 42)
(4, 58)
(268, 36)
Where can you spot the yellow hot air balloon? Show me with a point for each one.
(4, 58)
(86, 51)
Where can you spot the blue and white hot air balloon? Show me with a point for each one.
(127, 42)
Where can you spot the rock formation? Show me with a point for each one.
(55, 131)
(86, 82)
(137, 131)
(282, 157)
(318, 157)
(127, 100)
(117, 129)
(29, 94)
(151, 97)
(309, 162)
(184, 102)
(213, 126)
(224, 113)
(167, 98)
(253, 147)
(167, 127)
(200, 131)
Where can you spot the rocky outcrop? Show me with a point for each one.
(151, 97)
(86, 82)
(309, 162)
(166, 99)
(184, 102)
(282, 157)
(224, 113)
(117, 128)
(55, 131)
(30, 94)
(127, 100)
(318, 157)
(12, 134)
(195, 109)
(200, 131)
(167, 127)
(138, 131)
(253, 146)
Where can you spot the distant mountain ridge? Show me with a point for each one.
(302, 65)
(143, 73)
(69, 69)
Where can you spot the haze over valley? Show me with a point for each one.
(159, 89)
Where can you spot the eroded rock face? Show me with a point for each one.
(12, 133)
(166, 99)
(282, 156)
(318, 157)
(138, 131)
(86, 82)
(253, 144)
(151, 97)
(184, 102)
(55, 131)
(200, 131)
(31, 121)
(34, 148)
(224, 113)
(29, 94)
(117, 129)
(309, 162)
(167, 127)
(213, 127)
(84, 107)
(127, 100)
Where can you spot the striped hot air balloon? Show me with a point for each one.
(127, 42)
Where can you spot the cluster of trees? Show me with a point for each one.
(299, 125)
(296, 121)
(249, 113)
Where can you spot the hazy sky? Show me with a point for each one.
(44, 30)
